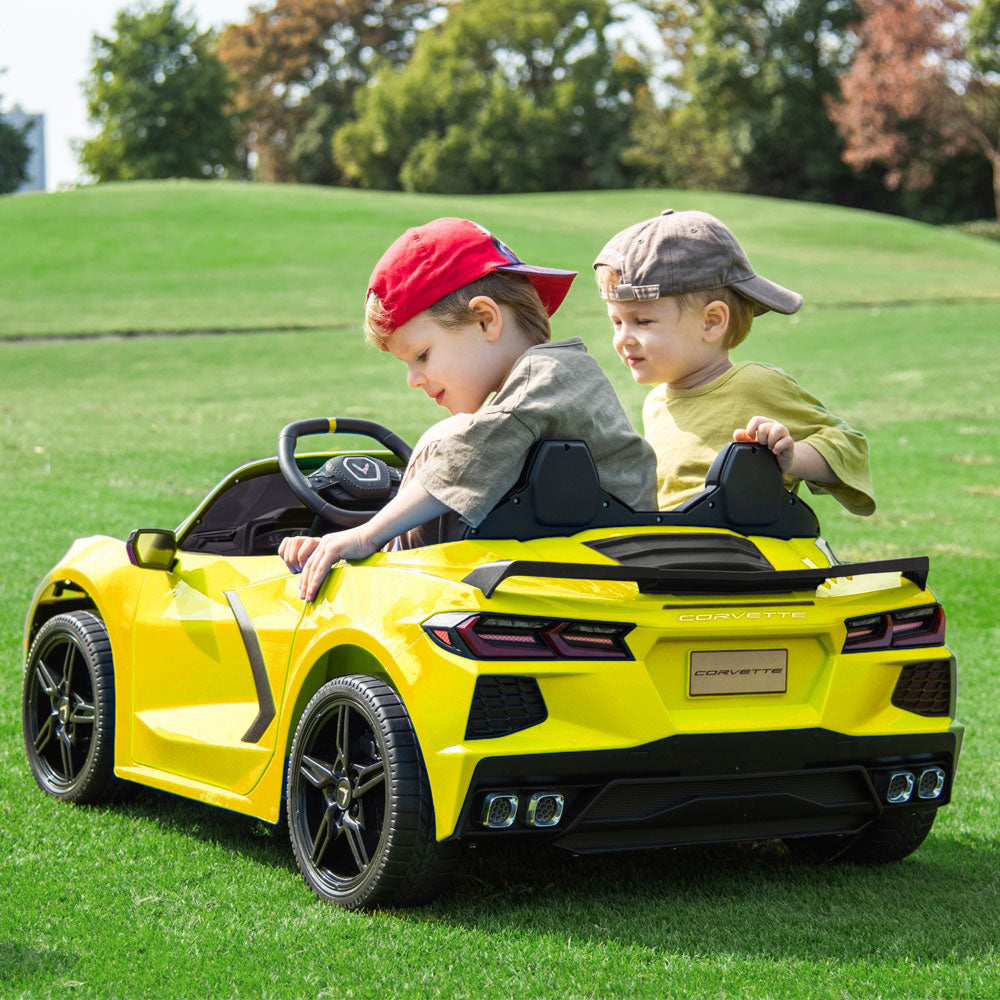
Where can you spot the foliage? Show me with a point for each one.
(161, 98)
(924, 85)
(985, 228)
(14, 155)
(500, 97)
(299, 63)
(749, 88)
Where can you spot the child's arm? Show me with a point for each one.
(411, 506)
(798, 459)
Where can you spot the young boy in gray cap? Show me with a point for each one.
(681, 294)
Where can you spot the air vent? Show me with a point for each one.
(924, 688)
(684, 551)
(502, 705)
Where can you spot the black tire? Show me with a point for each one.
(360, 814)
(891, 837)
(68, 709)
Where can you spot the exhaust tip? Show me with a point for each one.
(499, 810)
(931, 783)
(545, 809)
(900, 787)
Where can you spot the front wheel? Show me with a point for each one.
(68, 709)
(360, 814)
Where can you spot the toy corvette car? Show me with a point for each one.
(571, 671)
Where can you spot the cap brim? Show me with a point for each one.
(550, 283)
(769, 295)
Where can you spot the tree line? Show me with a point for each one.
(885, 104)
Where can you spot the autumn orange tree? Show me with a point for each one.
(298, 63)
(924, 85)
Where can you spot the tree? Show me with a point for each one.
(299, 63)
(161, 98)
(747, 107)
(14, 155)
(511, 97)
(924, 86)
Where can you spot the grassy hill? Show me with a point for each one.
(159, 897)
(213, 256)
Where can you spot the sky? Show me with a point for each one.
(45, 48)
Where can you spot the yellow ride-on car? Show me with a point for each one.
(572, 671)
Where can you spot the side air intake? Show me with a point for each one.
(502, 705)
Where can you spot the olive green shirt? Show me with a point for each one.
(554, 390)
(688, 427)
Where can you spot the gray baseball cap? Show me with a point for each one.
(680, 252)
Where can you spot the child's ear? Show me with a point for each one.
(715, 317)
(488, 315)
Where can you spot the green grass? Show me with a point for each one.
(160, 897)
(206, 256)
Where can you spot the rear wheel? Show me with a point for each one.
(891, 837)
(68, 709)
(359, 806)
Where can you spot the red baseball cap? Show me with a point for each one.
(429, 262)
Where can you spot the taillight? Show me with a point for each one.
(512, 637)
(923, 626)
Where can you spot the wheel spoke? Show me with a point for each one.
(45, 734)
(67, 675)
(353, 831)
(82, 712)
(66, 751)
(370, 776)
(343, 737)
(45, 680)
(323, 835)
(318, 773)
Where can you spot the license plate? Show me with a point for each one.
(739, 671)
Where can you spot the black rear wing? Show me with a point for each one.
(650, 580)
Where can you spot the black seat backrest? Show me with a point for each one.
(559, 493)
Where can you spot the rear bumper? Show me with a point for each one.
(712, 788)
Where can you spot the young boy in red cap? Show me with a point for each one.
(469, 320)
(681, 294)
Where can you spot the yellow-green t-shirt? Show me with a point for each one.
(689, 427)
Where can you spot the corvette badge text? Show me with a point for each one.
(750, 671)
(735, 616)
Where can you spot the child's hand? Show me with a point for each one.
(797, 459)
(296, 550)
(772, 435)
(322, 554)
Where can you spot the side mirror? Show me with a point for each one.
(152, 548)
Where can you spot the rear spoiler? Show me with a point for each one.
(650, 580)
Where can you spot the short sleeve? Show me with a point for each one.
(471, 470)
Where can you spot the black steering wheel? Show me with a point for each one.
(301, 485)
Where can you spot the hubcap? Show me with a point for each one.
(343, 793)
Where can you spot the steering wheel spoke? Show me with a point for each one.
(360, 477)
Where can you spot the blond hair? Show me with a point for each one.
(452, 312)
(741, 309)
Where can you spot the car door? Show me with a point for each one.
(210, 655)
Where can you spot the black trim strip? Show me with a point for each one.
(265, 700)
(489, 576)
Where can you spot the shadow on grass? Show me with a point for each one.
(751, 900)
(251, 838)
(25, 961)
